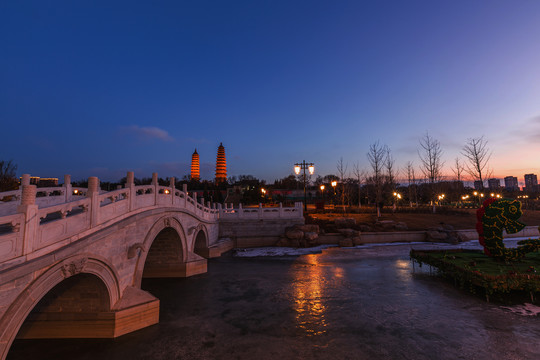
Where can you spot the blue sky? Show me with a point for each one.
(100, 88)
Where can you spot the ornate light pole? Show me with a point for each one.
(334, 184)
(304, 166)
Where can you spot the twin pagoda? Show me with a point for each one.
(221, 166)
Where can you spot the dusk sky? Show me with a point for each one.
(98, 88)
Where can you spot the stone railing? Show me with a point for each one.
(280, 212)
(32, 225)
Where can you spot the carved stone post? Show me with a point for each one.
(155, 183)
(25, 179)
(280, 210)
(130, 184)
(93, 194)
(300, 209)
(29, 208)
(173, 189)
(260, 211)
(184, 190)
(68, 189)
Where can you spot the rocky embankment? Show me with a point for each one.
(346, 233)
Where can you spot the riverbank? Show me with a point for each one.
(459, 219)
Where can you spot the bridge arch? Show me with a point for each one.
(166, 237)
(27, 300)
(200, 241)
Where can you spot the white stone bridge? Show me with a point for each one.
(72, 259)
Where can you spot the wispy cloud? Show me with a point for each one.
(148, 133)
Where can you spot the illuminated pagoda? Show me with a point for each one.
(221, 165)
(195, 167)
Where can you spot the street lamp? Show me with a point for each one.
(334, 184)
(304, 166)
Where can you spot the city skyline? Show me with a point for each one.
(101, 89)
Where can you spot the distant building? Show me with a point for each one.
(478, 185)
(195, 166)
(221, 165)
(511, 183)
(43, 182)
(494, 184)
(531, 183)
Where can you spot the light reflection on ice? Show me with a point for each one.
(308, 289)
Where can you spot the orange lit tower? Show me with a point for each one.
(195, 167)
(221, 165)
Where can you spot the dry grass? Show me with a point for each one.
(460, 220)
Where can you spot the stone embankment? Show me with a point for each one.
(346, 233)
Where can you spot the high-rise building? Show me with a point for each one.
(478, 185)
(195, 167)
(531, 183)
(511, 183)
(494, 184)
(221, 165)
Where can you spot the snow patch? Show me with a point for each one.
(289, 251)
(525, 309)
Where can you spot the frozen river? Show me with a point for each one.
(358, 303)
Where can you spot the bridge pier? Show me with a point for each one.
(194, 266)
(76, 312)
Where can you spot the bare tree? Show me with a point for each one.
(430, 162)
(342, 171)
(390, 174)
(411, 177)
(478, 155)
(376, 156)
(8, 180)
(458, 169)
(359, 174)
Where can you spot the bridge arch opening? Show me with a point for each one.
(68, 310)
(201, 244)
(165, 257)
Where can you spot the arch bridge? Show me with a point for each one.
(72, 259)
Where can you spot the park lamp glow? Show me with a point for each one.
(167, 191)
(322, 187)
(334, 183)
(75, 192)
(303, 166)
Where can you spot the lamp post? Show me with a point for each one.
(334, 184)
(322, 192)
(304, 166)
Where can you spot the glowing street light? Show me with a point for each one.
(303, 166)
